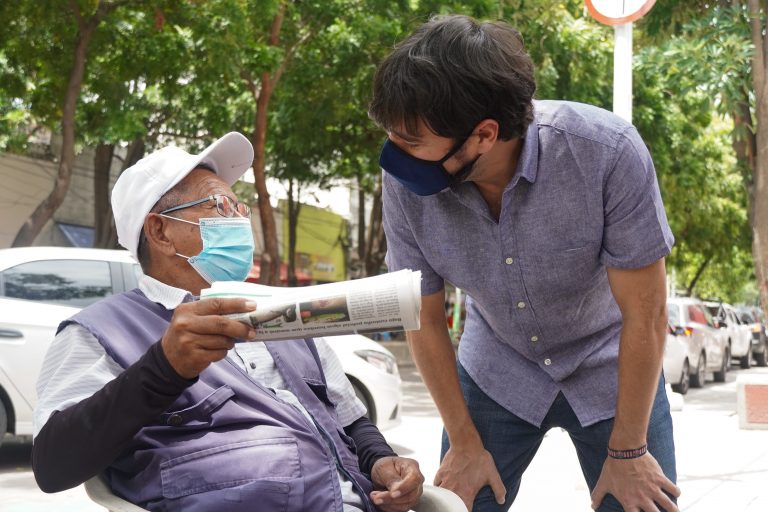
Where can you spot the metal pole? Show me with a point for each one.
(622, 71)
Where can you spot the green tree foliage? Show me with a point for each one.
(166, 70)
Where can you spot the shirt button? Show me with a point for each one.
(520, 305)
(175, 420)
(253, 365)
(534, 339)
(547, 362)
(509, 261)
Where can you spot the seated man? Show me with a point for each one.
(150, 387)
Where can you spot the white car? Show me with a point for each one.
(677, 366)
(739, 335)
(373, 372)
(42, 286)
(707, 346)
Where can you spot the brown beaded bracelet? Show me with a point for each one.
(627, 454)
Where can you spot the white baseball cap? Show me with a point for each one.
(142, 185)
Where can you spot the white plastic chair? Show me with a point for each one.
(434, 499)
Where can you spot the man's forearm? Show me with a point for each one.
(640, 358)
(371, 445)
(81, 441)
(435, 358)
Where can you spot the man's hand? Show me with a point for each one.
(199, 335)
(402, 480)
(467, 470)
(637, 484)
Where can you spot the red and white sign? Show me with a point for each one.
(618, 12)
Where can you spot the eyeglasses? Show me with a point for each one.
(225, 206)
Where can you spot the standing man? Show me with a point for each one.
(548, 215)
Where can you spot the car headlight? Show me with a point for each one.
(380, 360)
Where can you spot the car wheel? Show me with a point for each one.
(746, 361)
(685, 380)
(697, 379)
(3, 422)
(363, 396)
(761, 359)
(720, 375)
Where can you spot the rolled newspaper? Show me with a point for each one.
(388, 302)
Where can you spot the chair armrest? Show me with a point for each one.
(437, 499)
(99, 492)
(433, 499)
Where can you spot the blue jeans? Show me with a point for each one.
(513, 442)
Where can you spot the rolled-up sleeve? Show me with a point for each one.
(636, 232)
(403, 251)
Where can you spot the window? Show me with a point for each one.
(673, 312)
(75, 283)
(696, 314)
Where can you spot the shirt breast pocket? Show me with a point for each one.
(562, 271)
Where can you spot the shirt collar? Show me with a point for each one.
(167, 296)
(528, 163)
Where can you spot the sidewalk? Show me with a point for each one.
(720, 467)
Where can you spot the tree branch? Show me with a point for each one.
(289, 56)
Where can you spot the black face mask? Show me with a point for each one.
(423, 177)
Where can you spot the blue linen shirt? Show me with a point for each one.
(541, 317)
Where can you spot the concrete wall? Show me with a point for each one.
(25, 182)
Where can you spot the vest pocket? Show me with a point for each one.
(268, 494)
(200, 413)
(263, 465)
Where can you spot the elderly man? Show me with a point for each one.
(151, 387)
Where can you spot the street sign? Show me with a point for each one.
(618, 12)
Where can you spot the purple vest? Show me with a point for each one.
(227, 443)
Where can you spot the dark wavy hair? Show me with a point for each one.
(453, 72)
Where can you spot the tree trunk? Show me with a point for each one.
(760, 181)
(294, 208)
(108, 237)
(270, 258)
(102, 164)
(376, 244)
(45, 210)
(360, 221)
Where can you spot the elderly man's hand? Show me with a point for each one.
(402, 480)
(199, 334)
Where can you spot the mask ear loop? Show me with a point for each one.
(182, 220)
(455, 149)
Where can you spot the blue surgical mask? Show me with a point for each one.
(422, 177)
(227, 253)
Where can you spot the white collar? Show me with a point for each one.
(156, 291)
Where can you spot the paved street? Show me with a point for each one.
(720, 466)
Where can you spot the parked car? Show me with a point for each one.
(41, 286)
(738, 334)
(707, 346)
(754, 319)
(677, 366)
(373, 372)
